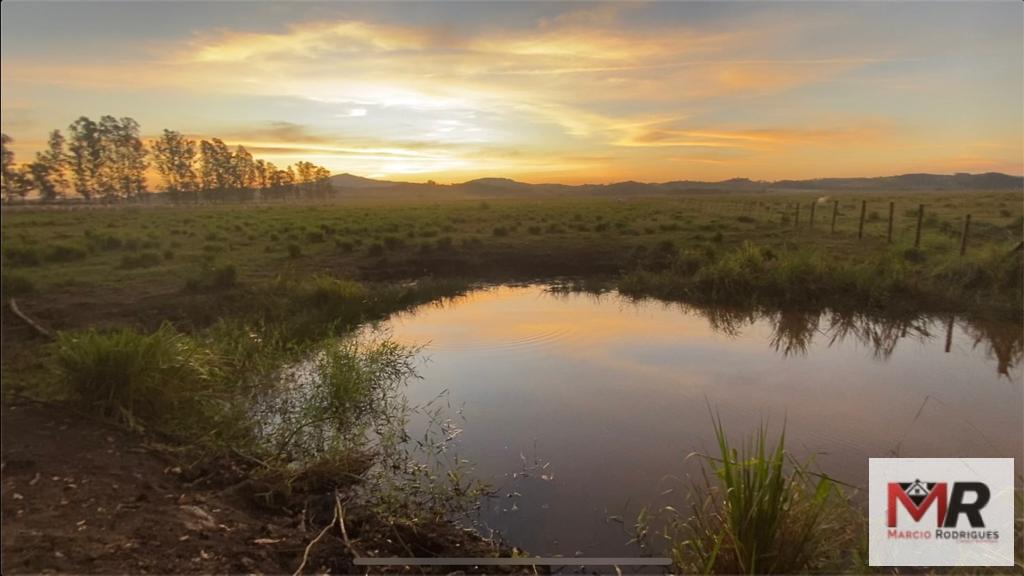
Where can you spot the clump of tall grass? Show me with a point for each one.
(344, 398)
(21, 256)
(985, 272)
(211, 277)
(132, 377)
(64, 253)
(758, 511)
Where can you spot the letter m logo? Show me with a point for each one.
(917, 498)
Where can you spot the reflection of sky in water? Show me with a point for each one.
(615, 395)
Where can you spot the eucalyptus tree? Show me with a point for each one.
(174, 157)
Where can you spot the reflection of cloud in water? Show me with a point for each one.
(614, 393)
(549, 317)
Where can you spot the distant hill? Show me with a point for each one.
(347, 180)
(351, 185)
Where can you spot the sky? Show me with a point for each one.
(569, 92)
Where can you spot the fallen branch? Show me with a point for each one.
(339, 519)
(32, 323)
(305, 554)
(339, 511)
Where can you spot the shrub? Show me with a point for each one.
(376, 249)
(140, 260)
(213, 278)
(64, 253)
(315, 237)
(294, 251)
(21, 256)
(342, 301)
(132, 377)
(103, 242)
(915, 255)
(344, 245)
(500, 231)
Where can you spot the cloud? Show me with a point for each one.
(549, 97)
(307, 40)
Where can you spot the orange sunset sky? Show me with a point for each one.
(540, 92)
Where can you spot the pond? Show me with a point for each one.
(581, 409)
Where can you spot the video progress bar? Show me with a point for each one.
(554, 561)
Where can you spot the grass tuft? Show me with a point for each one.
(759, 512)
(132, 377)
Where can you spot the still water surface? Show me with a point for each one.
(600, 399)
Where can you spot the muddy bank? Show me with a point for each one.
(82, 496)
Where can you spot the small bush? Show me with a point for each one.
(344, 245)
(315, 237)
(140, 260)
(21, 256)
(294, 251)
(103, 242)
(376, 249)
(500, 231)
(915, 255)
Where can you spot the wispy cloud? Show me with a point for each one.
(539, 99)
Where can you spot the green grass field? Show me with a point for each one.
(137, 263)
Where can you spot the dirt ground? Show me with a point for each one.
(82, 497)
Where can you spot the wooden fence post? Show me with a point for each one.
(835, 212)
(963, 237)
(860, 227)
(949, 334)
(892, 208)
(814, 204)
(920, 217)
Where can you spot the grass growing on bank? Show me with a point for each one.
(308, 406)
(142, 378)
(752, 274)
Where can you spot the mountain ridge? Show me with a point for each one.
(498, 186)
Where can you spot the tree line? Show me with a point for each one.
(107, 160)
